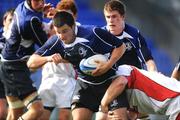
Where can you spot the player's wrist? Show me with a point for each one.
(48, 59)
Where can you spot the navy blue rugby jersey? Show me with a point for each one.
(137, 51)
(26, 30)
(88, 42)
(2, 39)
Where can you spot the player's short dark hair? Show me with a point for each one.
(117, 5)
(62, 17)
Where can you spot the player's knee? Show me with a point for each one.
(64, 114)
(34, 104)
(31, 100)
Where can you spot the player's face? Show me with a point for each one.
(37, 5)
(66, 33)
(115, 21)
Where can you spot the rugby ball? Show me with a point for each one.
(89, 64)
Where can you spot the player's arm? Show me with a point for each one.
(49, 52)
(37, 61)
(115, 56)
(114, 90)
(111, 44)
(39, 35)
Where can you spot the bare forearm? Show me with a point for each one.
(114, 90)
(117, 54)
(36, 61)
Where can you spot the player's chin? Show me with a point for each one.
(39, 9)
(112, 31)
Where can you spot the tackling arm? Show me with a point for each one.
(37, 61)
(114, 90)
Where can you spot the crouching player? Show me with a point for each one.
(147, 92)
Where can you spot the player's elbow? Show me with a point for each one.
(31, 63)
(121, 82)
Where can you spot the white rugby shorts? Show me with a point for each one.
(58, 84)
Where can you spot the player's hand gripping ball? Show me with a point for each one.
(90, 64)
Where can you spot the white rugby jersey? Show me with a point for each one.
(151, 92)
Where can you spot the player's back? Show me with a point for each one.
(149, 92)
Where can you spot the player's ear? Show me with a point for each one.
(74, 28)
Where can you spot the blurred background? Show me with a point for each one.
(158, 21)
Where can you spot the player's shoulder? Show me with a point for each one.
(54, 38)
(84, 30)
(85, 27)
(104, 28)
(133, 31)
(101, 32)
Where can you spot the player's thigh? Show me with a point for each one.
(34, 105)
(82, 114)
(64, 114)
(16, 107)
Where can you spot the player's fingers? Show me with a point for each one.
(96, 72)
(56, 58)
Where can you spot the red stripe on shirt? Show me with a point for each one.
(139, 81)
